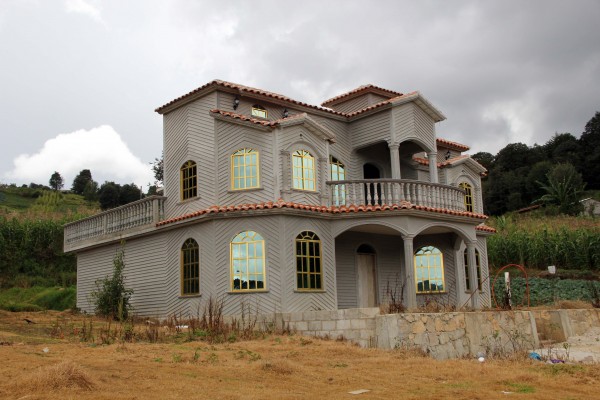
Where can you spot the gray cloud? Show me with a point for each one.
(502, 71)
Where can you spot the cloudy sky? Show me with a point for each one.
(79, 79)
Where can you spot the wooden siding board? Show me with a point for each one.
(372, 129)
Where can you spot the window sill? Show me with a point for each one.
(310, 291)
(256, 189)
(430, 293)
(189, 200)
(304, 190)
(248, 291)
(189, 296)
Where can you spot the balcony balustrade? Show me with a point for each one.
(139, 214)
(394, 191)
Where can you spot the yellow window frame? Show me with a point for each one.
(190, 268)
(304, 176)
(245, 169)
(259, 111)
(188, 175)
(247, 262)
(477, 264)
(468, 195)
(429, 270)
(309, 267)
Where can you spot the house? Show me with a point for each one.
(295, 207)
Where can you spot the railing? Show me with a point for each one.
(394, 191)
(140, 213)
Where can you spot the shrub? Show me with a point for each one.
(111, 298)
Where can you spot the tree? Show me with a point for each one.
(111, 297)
(158, 169)
(56, 181)
(564, 188)
(90, 192)
(485, 159)
(81, 181)
(108, 195)
(590, 152)
(128, 193)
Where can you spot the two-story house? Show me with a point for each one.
(294, 207)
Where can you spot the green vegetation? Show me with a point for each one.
(111, 297)
(568, 243)
(38, 298)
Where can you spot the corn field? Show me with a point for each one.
(571, 243)
(31, 254)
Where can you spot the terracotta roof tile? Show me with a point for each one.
(485, 228)
(453, 145)
(364, 88)
(403, 205)
(450, 161)
(242, 117)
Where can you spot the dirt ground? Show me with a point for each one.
(39, 362)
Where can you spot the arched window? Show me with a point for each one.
(429, 270)
(304, 176)
(247, 262)
(468, 195)
(259, 111)
(189, 180)
(190, 268)
(308, 261)
(338, 173)
(477, 264)
(244, 169)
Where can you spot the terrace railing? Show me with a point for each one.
(142, 213)
(394, 191)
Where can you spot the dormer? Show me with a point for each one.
(359, 98)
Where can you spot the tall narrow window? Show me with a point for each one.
(304, 176)
(468, 195)
(244, 169)
(308, 261)
(189, 180)
(477, 264)
(259, 111)
(190, 268)
(338, 173)
(247, 262)
(429, 270)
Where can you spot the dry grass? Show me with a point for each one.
(271, 367)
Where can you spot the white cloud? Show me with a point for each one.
(86, 8)
(101, 150)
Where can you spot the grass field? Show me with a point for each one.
(41, 362)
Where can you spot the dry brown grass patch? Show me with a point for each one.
(281, 367)
(64, 375)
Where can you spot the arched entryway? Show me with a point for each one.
(366, 271)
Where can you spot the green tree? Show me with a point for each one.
(590, 152)
(108, 195)
(90, 192)
(158, 170)
(129, 193)
(564, 188)
(485, 159)
(56, 181)
(111, 297)
(81, 181)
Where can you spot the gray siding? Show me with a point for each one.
(372, 129)
(463, 173)
(274, 111)
(412, 123)
(359, 103)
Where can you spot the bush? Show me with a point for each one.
(111, 298)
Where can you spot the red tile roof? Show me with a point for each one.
(424, 161)
(242, 117)
(242, 89)
(404, 205)
(485, 228)
(364, 88)
(453, 145)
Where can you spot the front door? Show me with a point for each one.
(367, 295)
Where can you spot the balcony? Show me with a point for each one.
(394, 191)
(136, 217)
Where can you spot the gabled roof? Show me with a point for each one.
(452, 145)
(369, 88)
(465, 158)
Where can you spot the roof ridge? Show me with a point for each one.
(358, 90)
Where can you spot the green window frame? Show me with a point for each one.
(309, 271)
(189, 180)
(477, 264)
(245, 169)
(247, 259)
(338, 173)
(190, 268)
(304, 173)
(259, 111)
(468, 195)
(429, 270)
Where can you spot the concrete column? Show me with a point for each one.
(395, 160)
(322, 177)
(473, 276)
(408, 276)
(433, 172)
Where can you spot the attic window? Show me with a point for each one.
(259, 111)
